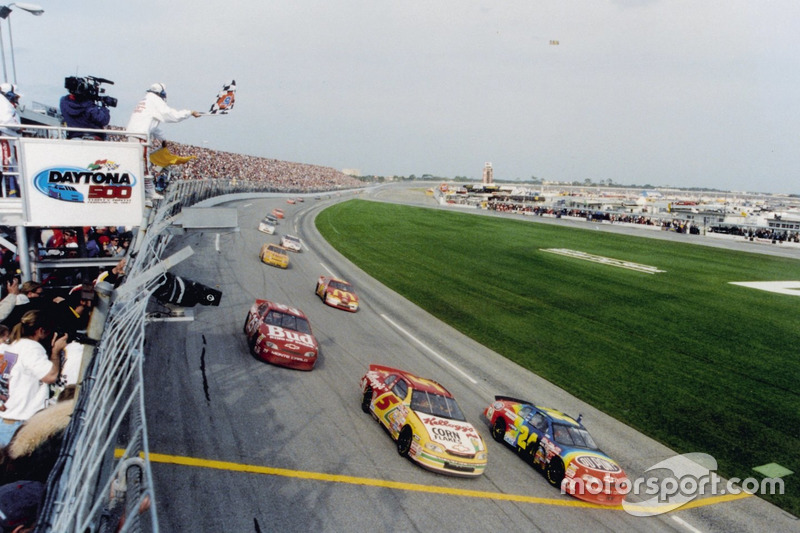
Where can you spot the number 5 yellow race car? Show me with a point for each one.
(425, 420)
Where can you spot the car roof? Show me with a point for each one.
(554, 414)
(283, 308)
(417, 383)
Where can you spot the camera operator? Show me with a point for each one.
(84, 108)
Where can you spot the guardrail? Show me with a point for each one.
(102, 480)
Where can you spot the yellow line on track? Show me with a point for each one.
(397, 485)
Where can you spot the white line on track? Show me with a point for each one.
(685, 524)
(216, 243)
(328, 270)
(247, 205)
(431, 351)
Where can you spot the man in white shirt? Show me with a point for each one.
(149, 113)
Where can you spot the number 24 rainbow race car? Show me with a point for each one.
(560, 447)
(425, 420)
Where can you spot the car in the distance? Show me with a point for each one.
(560, 447)
(290, 200)
(425, 421)
(281, 335)
(266, 226)
(292, 243)
(337, 293)
(275, 255)
(278, 213)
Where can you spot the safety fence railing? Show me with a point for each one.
(102, 480)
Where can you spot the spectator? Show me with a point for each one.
(19, 505)
(8, 303)
(149, 113)
(32, 372)
(80, 110)
(29, 297)
(8, 119)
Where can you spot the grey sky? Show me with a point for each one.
(671, 92)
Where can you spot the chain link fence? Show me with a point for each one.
(102, 480)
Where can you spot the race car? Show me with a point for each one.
(280, 335)
(265, 226)
(290, 200)
(337, 293)
(560, 447)
(300, 199)
(290, 242)
(278, 213)
(274, 255)
(425, 420)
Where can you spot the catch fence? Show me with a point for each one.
(102, 481)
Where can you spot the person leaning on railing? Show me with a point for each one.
(32, 372)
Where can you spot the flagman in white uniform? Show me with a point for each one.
(149, 113)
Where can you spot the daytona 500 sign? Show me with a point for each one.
(81, 183)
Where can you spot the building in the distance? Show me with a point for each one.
(355, 172)
(488, 174)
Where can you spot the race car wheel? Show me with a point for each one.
(246, 320)
(366, 400)
(404, 441)
(316, 289)
(499, 429)
(555, 472)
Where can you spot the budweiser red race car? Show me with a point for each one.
(280, 335)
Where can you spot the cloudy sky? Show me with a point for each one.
(660, 92)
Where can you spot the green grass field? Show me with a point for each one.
(683, 356)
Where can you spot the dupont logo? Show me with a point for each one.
(100, 182)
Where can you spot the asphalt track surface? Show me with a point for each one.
(238, 445)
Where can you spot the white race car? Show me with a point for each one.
(266, 226)
(290, 242)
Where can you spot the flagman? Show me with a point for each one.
(149, 113)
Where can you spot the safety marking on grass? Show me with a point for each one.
(398, 485)
(791, 288)
(575, 254)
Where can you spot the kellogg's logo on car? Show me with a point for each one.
(99, 182)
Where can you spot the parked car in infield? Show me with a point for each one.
(266, 226)
(337, 293)
(425, 421)
(275, 255)
(290, 242)
(281, 335)
(560, 447)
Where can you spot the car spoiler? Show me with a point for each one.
(512, 399)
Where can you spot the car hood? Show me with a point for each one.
(344, 297)
(593, 462)
(456, 436)
(290, 341)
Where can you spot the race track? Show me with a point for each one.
(239, 445)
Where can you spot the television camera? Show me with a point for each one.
(89, 87)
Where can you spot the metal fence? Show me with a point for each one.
(102, 480)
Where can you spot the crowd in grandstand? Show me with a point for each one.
(213, 164)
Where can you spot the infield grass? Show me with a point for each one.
(683, 356)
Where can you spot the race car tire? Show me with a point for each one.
(366, 400)
(499, 429)
(404, 441)
(555, 472)
(316, 289)
(244, 328)
(325, 297)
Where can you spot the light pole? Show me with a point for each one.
(5, 11)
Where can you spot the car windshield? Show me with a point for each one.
(285, 320)
(340, 285)
(290, 238)
(435, 404)
(573, 436)
(273, 248)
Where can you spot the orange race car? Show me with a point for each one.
(337, 293)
